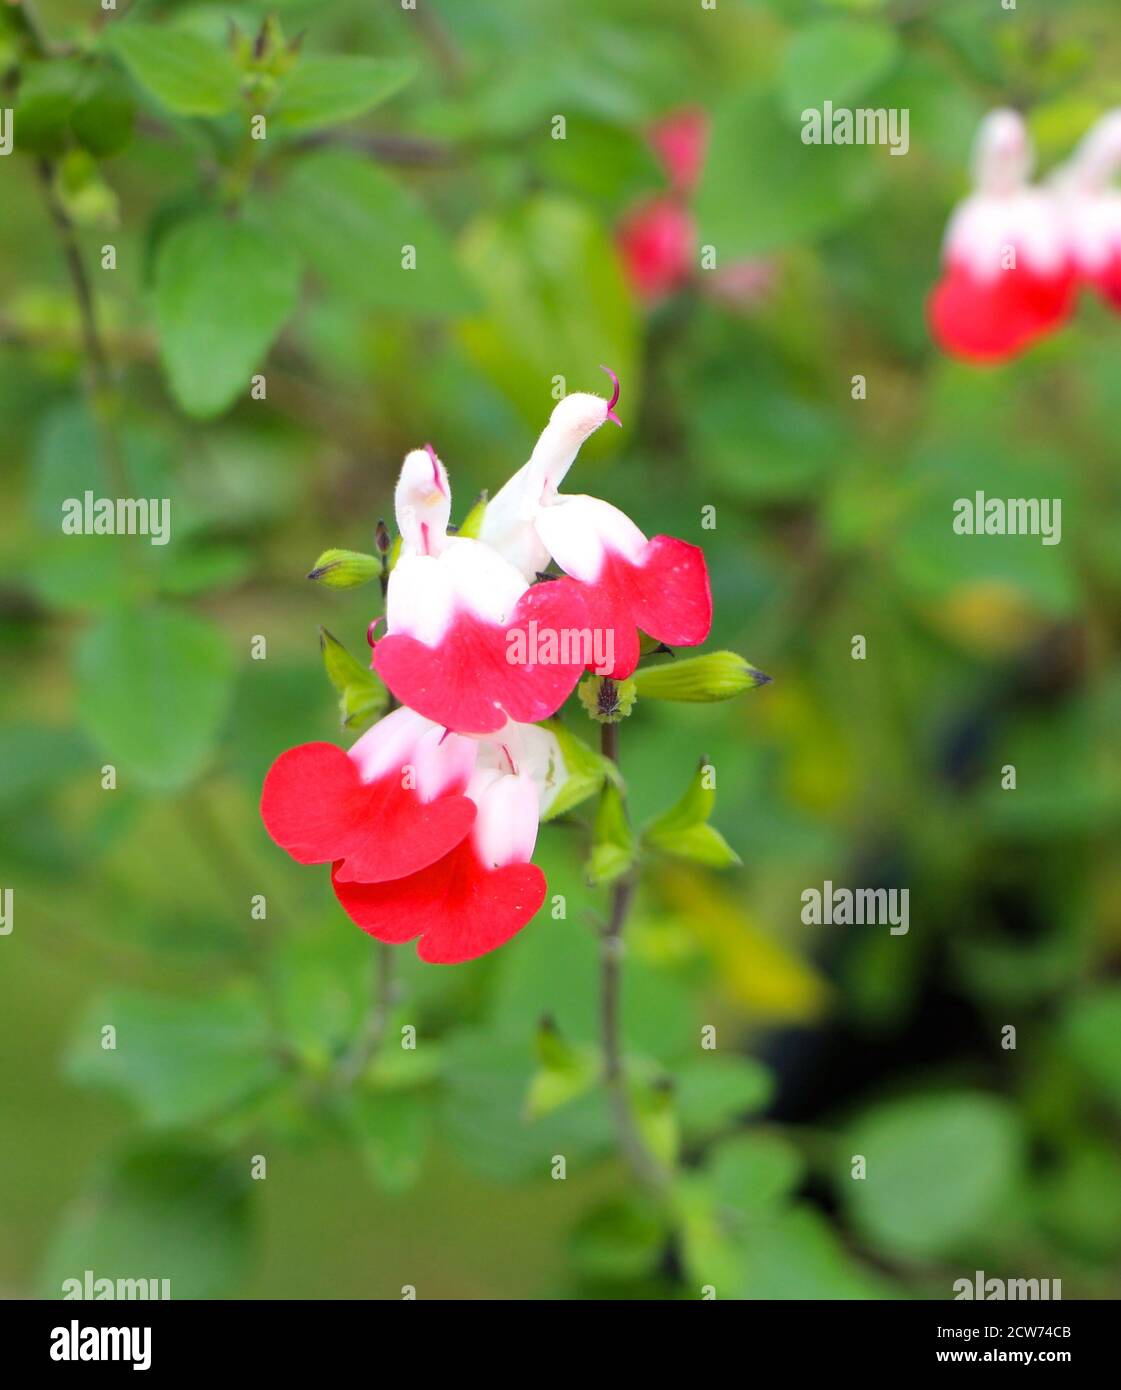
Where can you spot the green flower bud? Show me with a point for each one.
(698, 679)
(345, 569)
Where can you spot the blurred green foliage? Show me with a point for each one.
(134, 907)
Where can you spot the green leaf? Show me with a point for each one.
(753, 1172)
(751, 201)
(583, 770)
(322, 91)
(44, 102)
(620, 1240)
(1092, 1035)
(103, 114)
(161, 1210)
(362, 697)
(683, 831)
(353, 223)
(835, 60)
(345, 569)
(223, 292)
(153, 688)
(472, 523)
(391, 1128)
(180, 1061)
(613, 847)
(714, 1091)
(938, 1169)
(566, 1072)
(556, 304)
(186, 73)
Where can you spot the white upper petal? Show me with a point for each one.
(426, 591)
(985, 226)
(579, 530)
(405, 740)
(422, 503)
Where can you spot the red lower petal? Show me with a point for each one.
(988, 320)
(467, 682)
(666, 596)
(459, 908)
(315, 805)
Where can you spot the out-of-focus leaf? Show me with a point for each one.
(713, 1091)
(358, 228)
(153, 687)
(188, 75)
(751, 1173)
(754, 968)
(835, 60)
(752, 199)
(163, 1209)
(556, 306)
(223, 291)
(620, 1240)
(938, 1168)
(323, 90)
(391, 1128)
(1092, 1034)
(179, 1061)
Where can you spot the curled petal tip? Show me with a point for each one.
(614, 401)
(614, 419)
(431, 452)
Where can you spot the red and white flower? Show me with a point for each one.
(430, 834)
(453, 606)
(1009, 275)
(1091, 207)
(628, 583)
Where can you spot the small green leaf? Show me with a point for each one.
(323, 91)
(715, 1091)
(835, 60)
(613, 847)
(362, 697)
(583, 770)
(753, 1172)
(345, 569)
(683, 831)
(223, 291)
(621, 1240)
(153, 688)
(566, 1072)
(186, 73)
(698, 679)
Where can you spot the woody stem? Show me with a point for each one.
(642, 1162)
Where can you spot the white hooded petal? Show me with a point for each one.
(405, 743)
(580, 530)
(422, 502)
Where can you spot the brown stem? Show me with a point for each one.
(643, 1163)
(355, 1062)
(92, 343)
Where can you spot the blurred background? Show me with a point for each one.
(541, 257)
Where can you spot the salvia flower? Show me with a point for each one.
(430, 820)
(1009, 276)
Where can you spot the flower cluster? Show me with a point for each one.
(1016, 254)
(430, 820)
